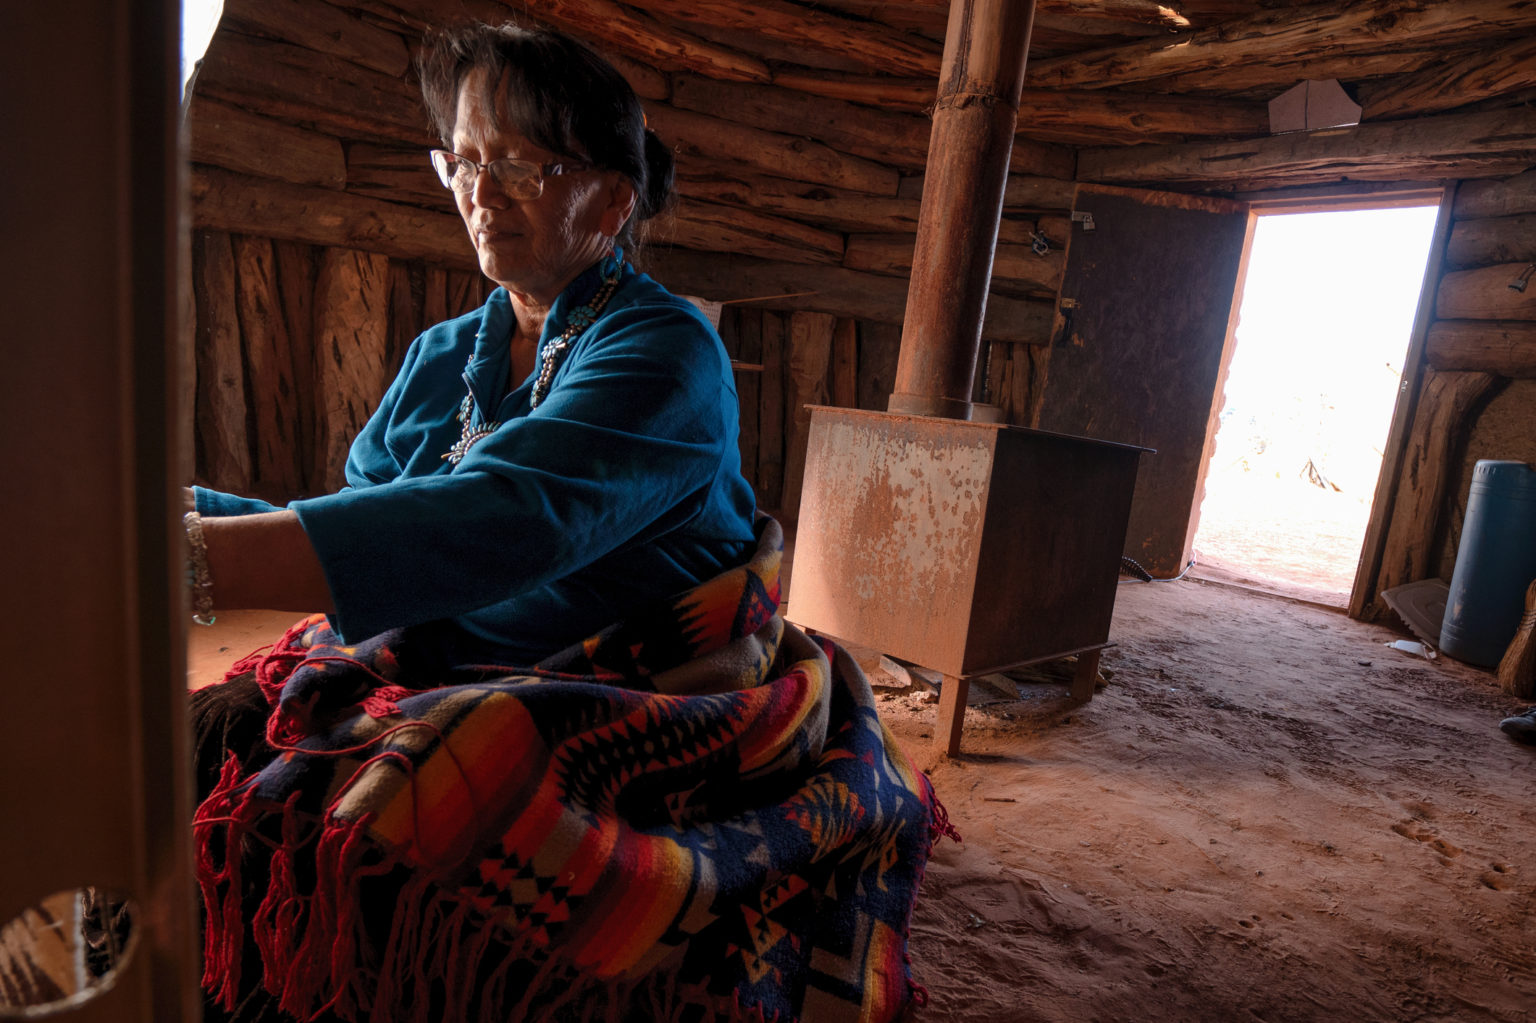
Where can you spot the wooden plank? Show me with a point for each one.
(323, 28)
(1482, 73)
(1362, 596)
(845, 363)
(709, 227)
(1143, 367)
(749, 346)
(238, 140)
(770, 413)
(223, 448)
(467, 291)
(221, 200)
(713, 139)
(805, 383)
(1367, 26)
(1486, 294)
(296, 286)
(406, 294)
(295, 84)
(434, 303)
(351, 338)
(1507, 348)
(828, 289)
(897, 139)
(869, 44)
(1501, 198)
(879, 351)
(805, 201)
(1439, 424)
(279, 473)
(1018, 264)
(1489, 240)
(1470, 145)
(401, 174)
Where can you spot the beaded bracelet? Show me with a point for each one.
(198, 579)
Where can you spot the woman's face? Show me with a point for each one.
(533, 247)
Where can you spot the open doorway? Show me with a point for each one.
(1325, 317)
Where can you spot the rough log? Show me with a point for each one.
(613, 27)
(879, 351)
(1463, 78)
(467, 291)
(749, 348)
(295, 84)
(805, 383)
(321, 27)
(1489, 240)
(770, 413)
(224, 451)
(912, 95)
(1369, 26)
(1507, 348)
(892, 254)
(897, 139)
(232, 202)
(405, 317)
(723, 277)
(425, 15)
(1486, 293)
(812, 203)
(434, 301)
(711, 228)
(1262, 81)
(279, 474)
(1094, 117)
(1141, 12)
(845, 364)
(1022, 192)
(712, 140)
(238, 140)
(1445, 399)
(397, 173)
(1471, 145)
(1496, 198)
(296, 284)
(351, 335)
(869, 44)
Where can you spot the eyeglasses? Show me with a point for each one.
(520, 179)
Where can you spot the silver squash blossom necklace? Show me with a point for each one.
(554, 353)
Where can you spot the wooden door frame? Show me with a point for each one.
(1364, 196)
(96, 777)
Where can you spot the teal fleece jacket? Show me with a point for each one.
(621, 488)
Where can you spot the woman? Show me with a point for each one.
(686, 809)
(560, 457)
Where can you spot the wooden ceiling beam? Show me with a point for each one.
(1370, 26)
(1462, 78)
(1264, 80)
(870, 44)
(1096, 117)
(1450, 145)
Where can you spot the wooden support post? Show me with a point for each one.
(973, 128)
(1086, 678)
(946, 731)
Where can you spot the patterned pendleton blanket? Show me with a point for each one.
(693, 815)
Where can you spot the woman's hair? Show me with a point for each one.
(557, 93)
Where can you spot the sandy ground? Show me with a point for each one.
(1264, 815)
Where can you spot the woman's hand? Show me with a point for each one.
(188, 500)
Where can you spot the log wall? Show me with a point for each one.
(323, 243)
(1478, 392)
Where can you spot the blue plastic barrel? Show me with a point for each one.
(1494, 564)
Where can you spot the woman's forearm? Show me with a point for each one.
(264, 561)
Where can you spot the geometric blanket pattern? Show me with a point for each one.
(694, 815)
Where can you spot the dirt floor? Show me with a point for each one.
(1264, 815)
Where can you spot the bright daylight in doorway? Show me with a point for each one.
(1324, 325)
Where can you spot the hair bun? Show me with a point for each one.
(659, 190)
